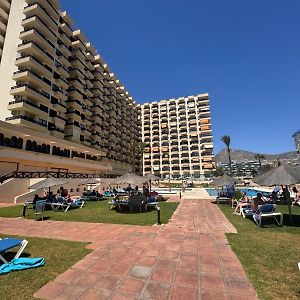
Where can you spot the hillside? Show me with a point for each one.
(247, 155)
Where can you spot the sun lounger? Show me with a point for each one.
(267, 211)
(223, 200)
(8, 244)
(64, 206)
(118, 203)
(247, 211)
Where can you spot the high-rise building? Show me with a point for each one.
(54, 82)
(177, 135)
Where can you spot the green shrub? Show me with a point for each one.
(237, 194)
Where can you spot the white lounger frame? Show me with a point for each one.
(22, 247)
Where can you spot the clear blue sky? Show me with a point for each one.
(244, 53)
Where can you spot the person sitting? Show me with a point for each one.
(63, 192)
(297, 196)
(258, 200)
(243, 202)
(94, 194)
(35, 199)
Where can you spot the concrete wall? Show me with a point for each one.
(13, 187)
(8, 67)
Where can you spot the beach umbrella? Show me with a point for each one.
(48, 183)
(224, 180)
(149, 178)
(131, 179)
(283, 175)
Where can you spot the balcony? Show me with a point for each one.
(37, 23)
(33, 79)
(30, 122)
(38, 10)
(34, 35)
(31, 48)
(64, 50)
(51, 6)
(29, 107)
(34, 64)
(30, 92)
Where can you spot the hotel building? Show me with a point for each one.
(178, 137)
(61, 107)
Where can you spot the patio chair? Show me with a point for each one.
(267, 211)
(151, 202)
(10, 243)
(40, 208)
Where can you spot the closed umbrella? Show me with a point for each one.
(283, 175)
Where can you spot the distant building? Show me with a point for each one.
(178, 137)
(241, 168)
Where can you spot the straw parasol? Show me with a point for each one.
(130, 179)
(48, 183)
(224, 180)
(283, 175)
(150, 177)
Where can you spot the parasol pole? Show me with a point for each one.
(288, 200)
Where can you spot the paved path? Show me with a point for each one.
(187, 259)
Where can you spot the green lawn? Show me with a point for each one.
(269, 255)
(59, 256)
(98, 212)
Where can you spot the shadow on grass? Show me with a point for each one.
(10, 255)
(295, 220)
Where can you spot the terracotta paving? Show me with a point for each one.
(189, 258)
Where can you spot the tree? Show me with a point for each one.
(226, 140)
(266, 168)
(218, 171)
(259, 157)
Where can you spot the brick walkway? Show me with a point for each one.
(187, 259)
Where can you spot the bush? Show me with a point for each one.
(237, 194)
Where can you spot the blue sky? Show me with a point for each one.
(244, 53)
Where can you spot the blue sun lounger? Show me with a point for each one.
(9, 243)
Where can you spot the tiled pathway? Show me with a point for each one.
(187, 259)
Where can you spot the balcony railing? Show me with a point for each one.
(30, 119)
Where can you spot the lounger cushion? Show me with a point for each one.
(266, 208)
(6, 244)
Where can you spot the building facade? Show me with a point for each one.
(177, 135)
(241, 168)
(55, 84)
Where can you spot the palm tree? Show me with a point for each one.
(259, 157)
(226, 140)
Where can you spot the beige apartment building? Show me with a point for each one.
(58, 96)
(178, 137)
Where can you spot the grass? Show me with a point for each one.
(269, 255)
(98, 212)
(59, 256)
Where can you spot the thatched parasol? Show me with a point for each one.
(130, 179)
(48, 183)
(224, 180)
(150, 176)
(283, 175)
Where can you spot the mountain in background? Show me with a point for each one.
(242, 155)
